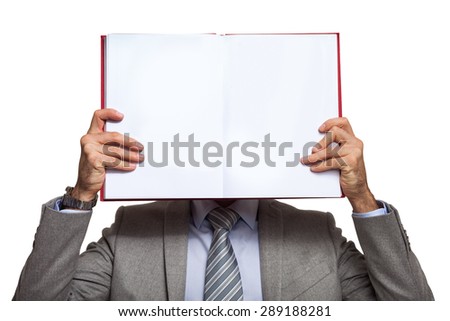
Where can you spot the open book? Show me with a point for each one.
(221, 116)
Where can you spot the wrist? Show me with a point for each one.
(75, 200)
(364, 203)
(82, 195)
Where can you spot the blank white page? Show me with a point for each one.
(285, 86)
(165, 85)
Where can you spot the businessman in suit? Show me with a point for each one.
(271, 251)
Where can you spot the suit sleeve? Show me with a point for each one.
(56, 271)
(394, 270)
(351, 267)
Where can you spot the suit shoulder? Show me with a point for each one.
(140, 214)
(155, 211)
(152, 208)
(288, 211)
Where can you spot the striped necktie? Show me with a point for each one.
(223, 280)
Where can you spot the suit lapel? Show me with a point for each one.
(176, 228)
(270, 227)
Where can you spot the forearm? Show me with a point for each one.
(394, 270)
(49, 270)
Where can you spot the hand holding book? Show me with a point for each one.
(341, 149)
(100, 149)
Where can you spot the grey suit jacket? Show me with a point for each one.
(142, 256)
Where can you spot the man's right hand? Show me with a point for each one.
(101, 149)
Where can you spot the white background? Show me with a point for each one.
(395, 86)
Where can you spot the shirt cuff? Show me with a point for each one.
(377, 212)
(57, 207)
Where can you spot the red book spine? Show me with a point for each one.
(339, 75)
(102, 91)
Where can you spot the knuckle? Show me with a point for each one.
(134, 156)
(357, 154)
(333, 151)
(331, 135)
(85, 149)
(114, 151)
(97, 113)
(360, 143)
(92, 159)
(110, 162)
(107, 149)
(84, 140)
(117, 137)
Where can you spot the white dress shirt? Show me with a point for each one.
(243, 238)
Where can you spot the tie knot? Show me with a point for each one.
(222, 218)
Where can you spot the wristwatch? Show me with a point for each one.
(70, 202)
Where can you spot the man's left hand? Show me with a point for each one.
(347, 156)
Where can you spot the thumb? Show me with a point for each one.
(101, 116)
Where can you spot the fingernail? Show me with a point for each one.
(141, 157)
(322, 127)
(119, 113)
(139, 145)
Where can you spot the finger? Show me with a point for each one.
(115, 138)
(118, 164)
(130, 155)
(340, 122)
(321, 155)
(329, 164)
(334, 135)
(101, 116)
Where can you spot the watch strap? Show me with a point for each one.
(70, 202)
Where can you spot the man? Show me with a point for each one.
(268, 250)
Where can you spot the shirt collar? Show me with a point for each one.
(247, 209)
